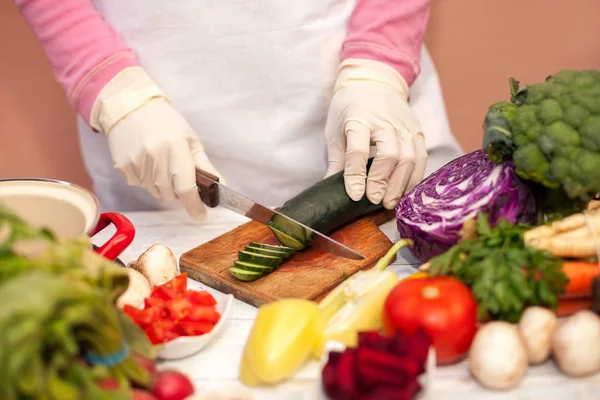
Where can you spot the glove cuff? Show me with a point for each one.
(129, 90)
(355, 70)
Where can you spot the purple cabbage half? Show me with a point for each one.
(433, 213)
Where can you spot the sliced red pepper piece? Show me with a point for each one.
(192, 328)
(203, 314)
(154, 301)
(179, 308)
(179, 283)
(143, 317)
(201, 297)
(164, 292)
(162, 331)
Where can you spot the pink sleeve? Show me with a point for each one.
(84, 51)
(389, 31)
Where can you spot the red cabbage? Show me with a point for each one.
(433, 213)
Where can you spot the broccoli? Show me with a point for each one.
(551, 132)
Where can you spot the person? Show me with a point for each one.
(271, 96)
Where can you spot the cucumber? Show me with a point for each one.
(249, 266)
(260, 259)
(243, 275)
(283, 249)
(266, 252)
(324, 207)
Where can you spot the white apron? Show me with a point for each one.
(254, 79)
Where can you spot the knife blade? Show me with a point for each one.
(215, 194)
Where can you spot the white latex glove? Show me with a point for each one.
(370, 107)
(151, 144)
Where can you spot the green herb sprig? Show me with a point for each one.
(504, 275)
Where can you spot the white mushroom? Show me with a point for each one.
(137, 291)
(537, 325)
(158, 264)
(576, 344)
(498, 356)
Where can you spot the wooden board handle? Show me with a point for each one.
(209, 190)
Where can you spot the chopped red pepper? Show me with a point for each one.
(164, 292)
(143, 317)
(179, 308)
(192, 328)
(154, 301)
(203, 314)
(200, 297)
(172, 310)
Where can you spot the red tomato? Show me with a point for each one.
(443, 306)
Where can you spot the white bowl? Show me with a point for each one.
(185, 346)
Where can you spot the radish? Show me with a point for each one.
(143, 395)
(145, 363)
(108, 384)
(172, 385)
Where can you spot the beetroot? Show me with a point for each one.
(172, 385)
(381, 367)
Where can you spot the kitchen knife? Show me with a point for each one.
(214, 194)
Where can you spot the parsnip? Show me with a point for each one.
(572, 237)
(568, 247)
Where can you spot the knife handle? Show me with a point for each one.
(209, 191)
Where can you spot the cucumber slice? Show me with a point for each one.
(266, 252)
(249, 266)
(295, 240)
(244, 275)
(260, 259)
(283, 249)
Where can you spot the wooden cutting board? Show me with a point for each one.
(310, 274)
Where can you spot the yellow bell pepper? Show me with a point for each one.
(282, 339)
(417, 275)
(357, 303)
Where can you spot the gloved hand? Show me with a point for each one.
(151, 144)
(370, 107)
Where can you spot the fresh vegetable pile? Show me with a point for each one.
(66, 339)
(172, 310)
(380, 367)
(540, 162)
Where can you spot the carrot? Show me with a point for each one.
(569, 307)
(581, 275)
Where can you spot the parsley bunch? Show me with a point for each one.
(504, 275)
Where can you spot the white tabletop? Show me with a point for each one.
(217, 365)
